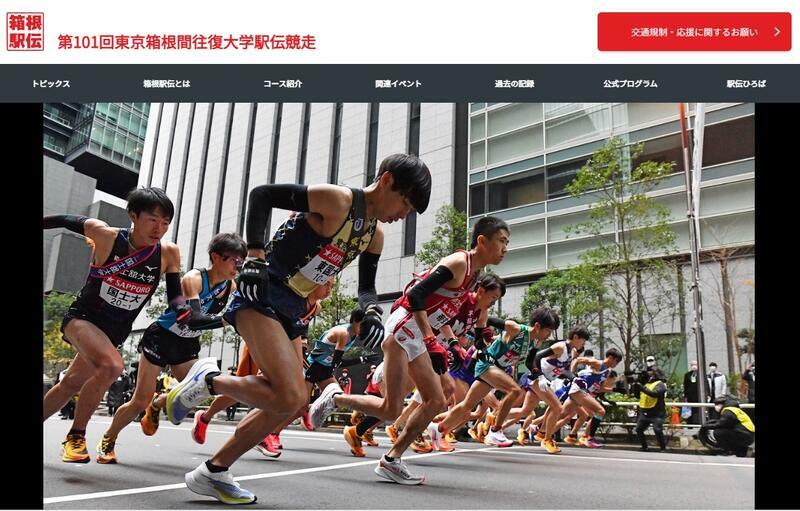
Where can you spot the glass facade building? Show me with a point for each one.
(522, 155)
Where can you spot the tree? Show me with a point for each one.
(335, 310)
(449, 234)
(56, 352)
(630, 259)
(575, 293)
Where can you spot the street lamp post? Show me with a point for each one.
(692, 175)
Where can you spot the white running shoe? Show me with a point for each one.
(191, 391)
(221, 486)
(397, 471)
(325, 405)
(497, 438)
(436, 436)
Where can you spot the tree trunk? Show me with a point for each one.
(727, 309)
(601, 328)
(682, 306)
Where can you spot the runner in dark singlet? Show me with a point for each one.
(126, 267)
(330, 226)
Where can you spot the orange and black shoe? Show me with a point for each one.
(392, 433)
(73, 449)
(105, 451)
(150, 420)
(369, 439)
(354, 441)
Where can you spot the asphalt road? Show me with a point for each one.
(317, 471)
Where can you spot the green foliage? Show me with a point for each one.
(575, 292)
(336, 309)
(449, 234)
(56, 352)
(626, 260)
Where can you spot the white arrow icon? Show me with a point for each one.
(777, 31)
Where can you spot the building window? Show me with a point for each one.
(372, 143)
(477, 200)
(665, 150)
(559, 176)
(517, 190)
(513, 145)
(337, 141)
(583, 123)
(729, 141)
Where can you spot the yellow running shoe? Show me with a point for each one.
(354, 441)
(450, 438)
(522, 437)
(421, 446)
(392, 433)
(473, 433)
(486, 425)
(149, 422)
(572, 439)
(539, 436)
(105, 451)
(369, 439)
(551, 446)
(74, 449)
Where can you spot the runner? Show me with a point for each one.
(169, 343)
(429, 301)
(329, 227)
(127, 264)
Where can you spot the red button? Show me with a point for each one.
(694, 31)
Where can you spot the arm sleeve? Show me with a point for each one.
(537, 358)
(367, 269)
(199, 320)
(497, 323)
(436, 279)
(72, 222)
(173, 280)
(263, 199)
(337, 358)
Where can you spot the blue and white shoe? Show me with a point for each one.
(191, 391)
(221, 486)
(325, 405)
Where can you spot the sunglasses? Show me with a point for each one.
(237, 260)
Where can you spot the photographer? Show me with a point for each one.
(733, 432)
(651, 407)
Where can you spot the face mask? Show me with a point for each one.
(718, 408)
(694, 368)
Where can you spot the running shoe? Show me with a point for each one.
(191, 391)
(451, 438)
(369, 439)
(105, 451)
(590, 442)
(551, 446)
(199, 428)
(356, 417)
(421, 446)
(267, 447)
(325, 405)
(305, 421)
(573, 440)
(219, 485)
(392, 433)
(352, 438)
(397, 471)
(74, 449)
(497, 438)
(522, 437)
(149, 422)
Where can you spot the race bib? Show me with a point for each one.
(124, 294)
(324, 265)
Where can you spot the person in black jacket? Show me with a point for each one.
(691, 391)
(651, 407)
(732, 433)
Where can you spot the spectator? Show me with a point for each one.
(691, 391)
(750, 377)
(651, 407)
(116, 393)
(717, 386)
(344, 381)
